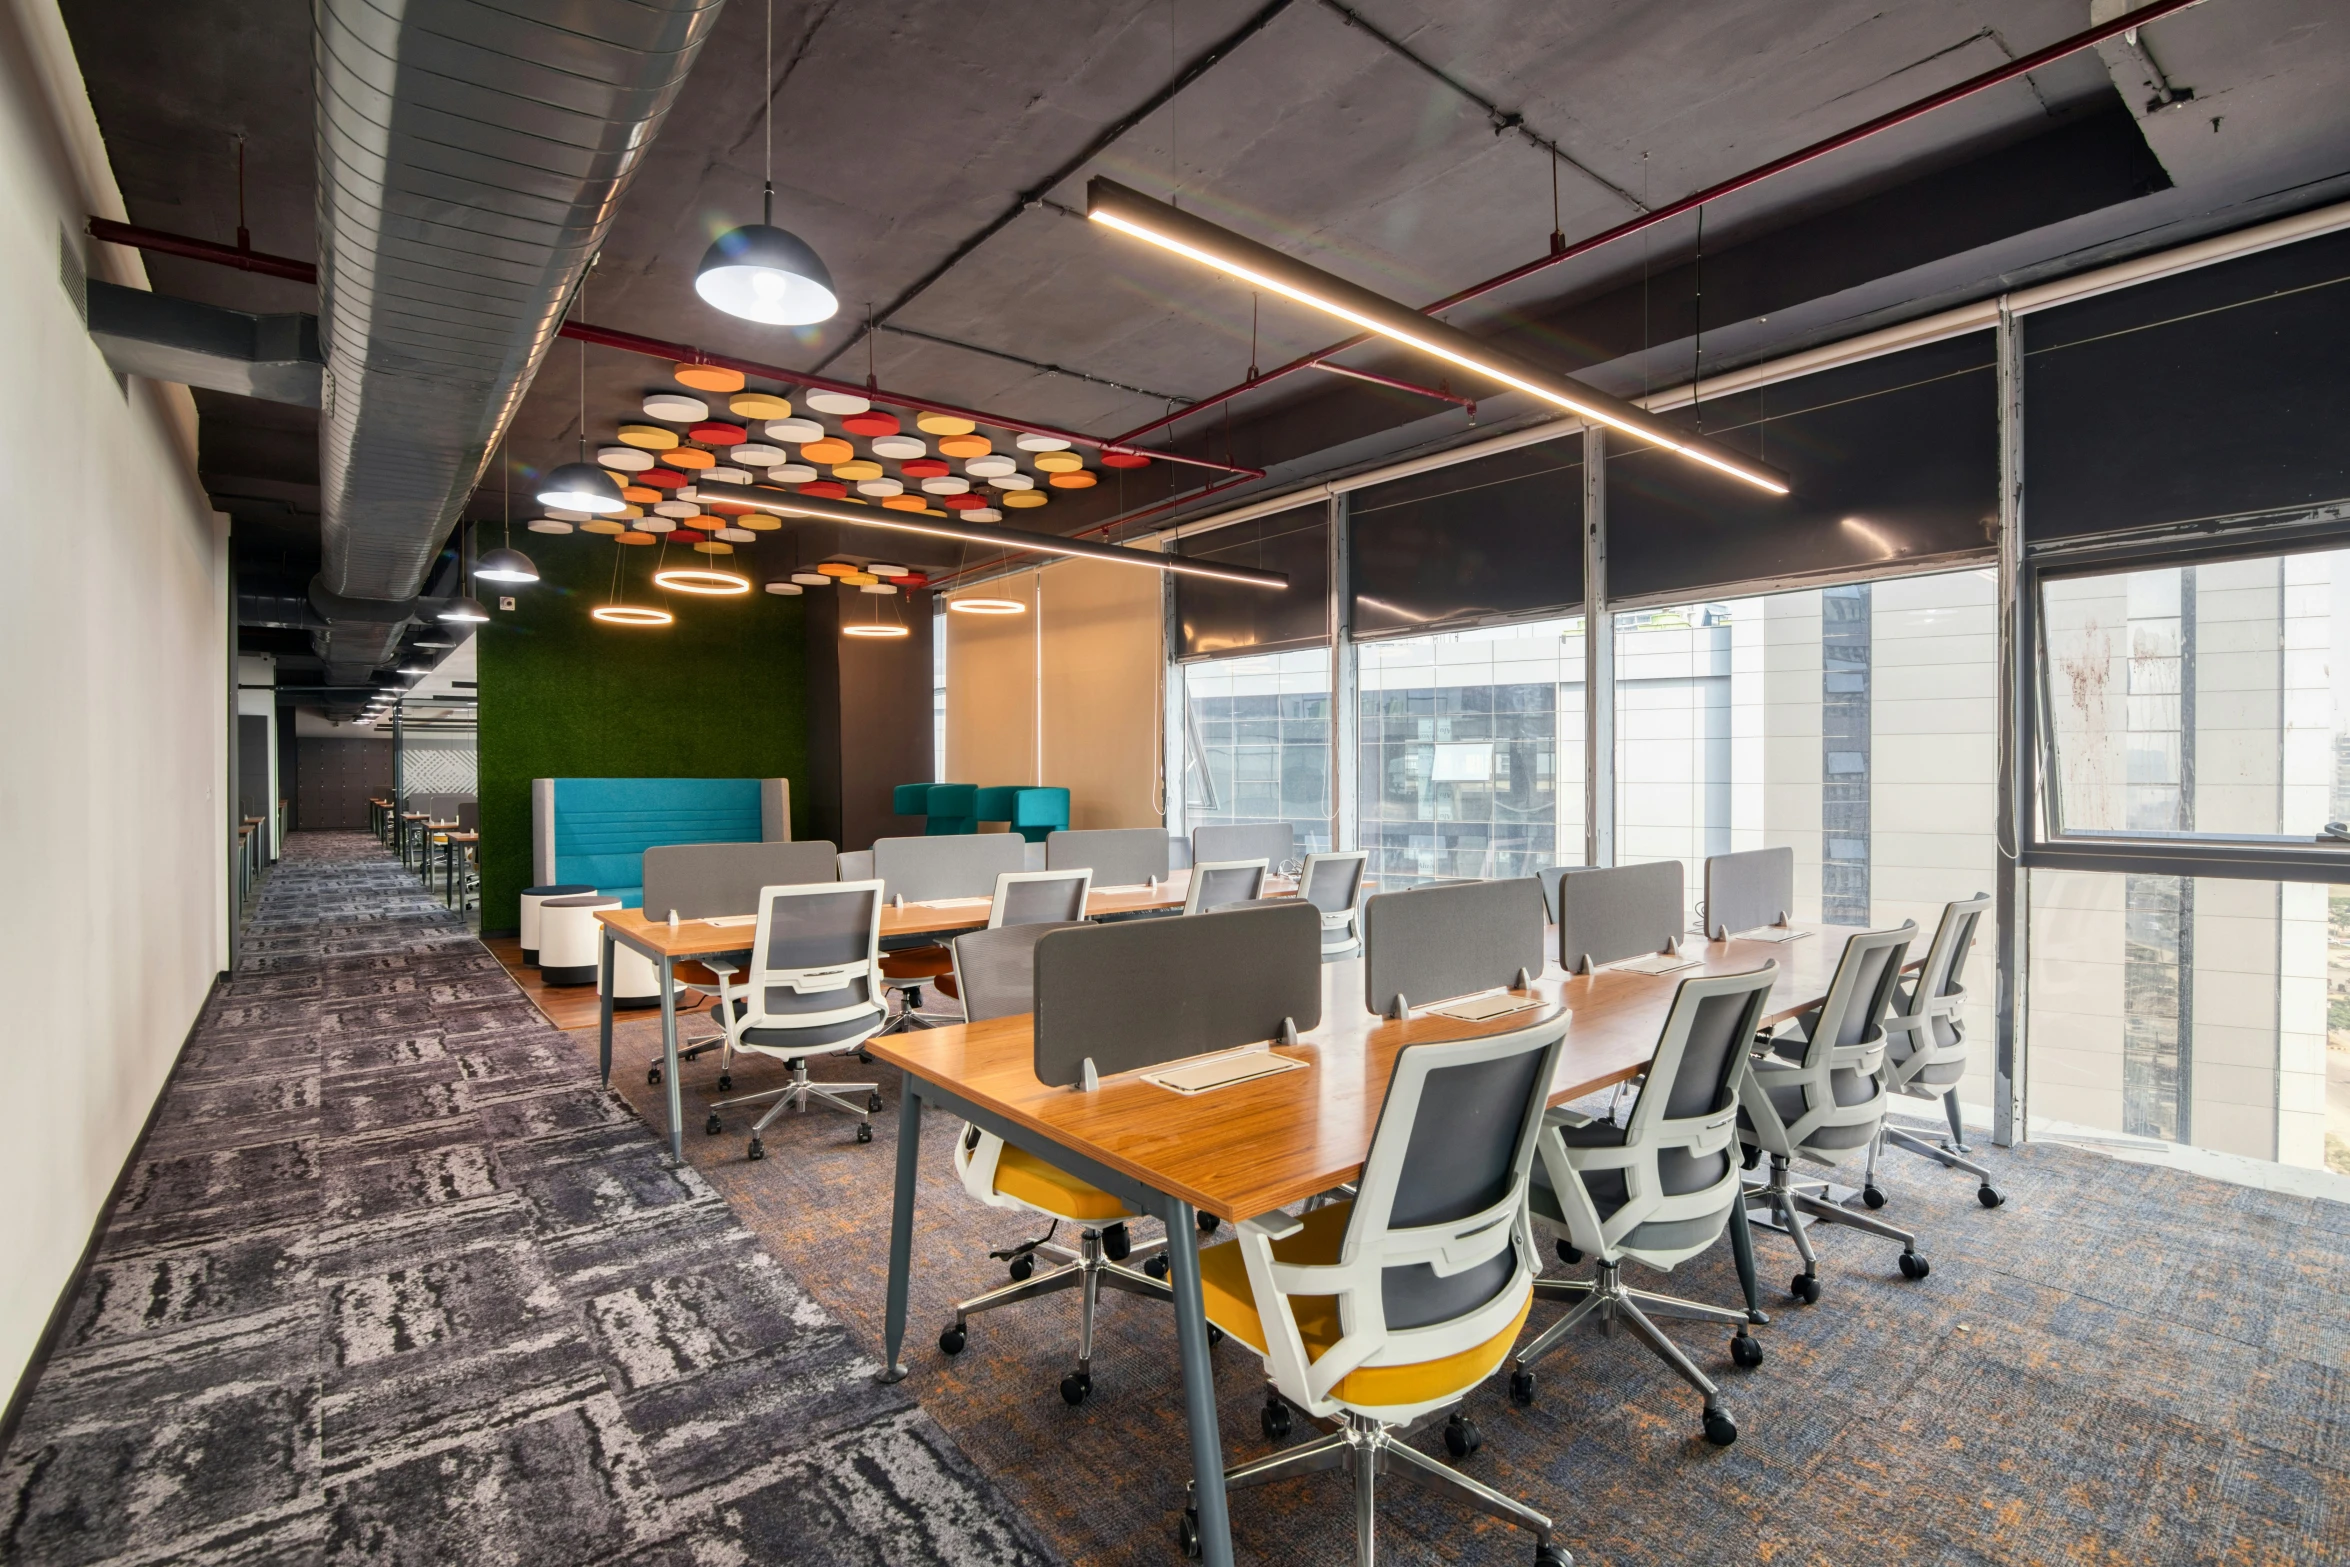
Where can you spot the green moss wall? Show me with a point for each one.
(722, 693)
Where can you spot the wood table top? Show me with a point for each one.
(1256, 1146)
(462, 837)
(918, 919)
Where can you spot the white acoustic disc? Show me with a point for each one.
(675, 408)
(627, 459)
(946, 484)
(1041, 443)
(792, 473)
(993, 466)
(900, 446)
(836, 402)
(754, 455)
(797, 431)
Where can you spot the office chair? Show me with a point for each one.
(995, 970)
(1814, 1093)
(813, 990)
(1218, 883)
(1333, 883)
(1039, 898)
(1659, 1189)
(1925, 1050)
(1377, 1310)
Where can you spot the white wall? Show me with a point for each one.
(113, 721)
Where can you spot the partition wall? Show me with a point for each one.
(2051, 613)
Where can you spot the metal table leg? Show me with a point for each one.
(1199, 1386)
(604, 996)
(669, 1057)
(901, 1232)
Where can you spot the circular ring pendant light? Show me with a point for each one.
(987, 606)
(631, 615)
(702, 579)
(759, 272)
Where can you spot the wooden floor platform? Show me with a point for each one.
(569, 1007)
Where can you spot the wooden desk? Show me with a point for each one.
(1244, 1150)
(951, 914)
(406, 830)
(654, 938)
(451, 883)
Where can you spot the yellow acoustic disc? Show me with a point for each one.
(1079, 479)
(603, 525)
(647, 437)
(857, 468)
(831, 449)
(857, 579)
(943, 424)
(690, 457)
(714, 547)
(964, 446)
(758, 405)
(1024, 498)
(634, 536)
(760, 522)
(905, 503)
(627, 512)
(1055, 462)
(708, 378)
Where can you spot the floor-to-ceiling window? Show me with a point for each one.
(1256, 742)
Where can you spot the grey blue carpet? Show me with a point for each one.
(394, 1281)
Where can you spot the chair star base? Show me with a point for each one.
(1088, 1270)
(802, 1093)
(1794, 1206)
(1608, 1300)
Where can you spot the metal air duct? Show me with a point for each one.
(470, 159)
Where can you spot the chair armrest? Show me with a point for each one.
(1567, 1118)
(1274, 1226)
(718, 965)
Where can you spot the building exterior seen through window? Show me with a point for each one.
(1256, 742)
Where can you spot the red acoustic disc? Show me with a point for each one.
(716, 434)
(829, 489)
(924, 468)
(1125, 460)
(961, 502)
(662, 479)
(871, 422)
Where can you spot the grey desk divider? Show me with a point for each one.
(1117, 856)
(1743, 891)
(1272, 842)
(1550, 877)
(1117, 998)
(702, 880)
(1428, 944)
(1623, 911)
(954, 865)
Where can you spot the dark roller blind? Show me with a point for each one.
(2217, 392)
(1892, 460)
(1483, 540)
(1226, 619)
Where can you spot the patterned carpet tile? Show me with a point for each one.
(394, 1280)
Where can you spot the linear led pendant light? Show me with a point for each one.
(781, 504)
(506, 564)
(758, 271)
(1170, 228)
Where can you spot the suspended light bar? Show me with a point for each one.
(1170, 228)
(780, 503)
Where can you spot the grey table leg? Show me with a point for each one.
(1199, 1387)
(1742, 1248)
(901, 1233)
(604, 994)
(669, 1058)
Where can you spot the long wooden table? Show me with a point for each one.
(1245, 1150)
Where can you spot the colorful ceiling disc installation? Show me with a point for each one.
(708, 378)
(675, 407)
(690, 457)
(791, 473)
(794, 430)
(1078, 479)
(831, 449)
(871, 422)
(836, 402)
(1033, 442)
(755, 454)
(965, 446)
(1125, 460)
(900, 447)
(758, 405)
(624, 459)
(1024, 498)
(1059, 462)
(646, 437)
(712, 433)
(943, 424)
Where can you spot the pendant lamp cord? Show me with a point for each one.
(767, 73)
(506, 464)
(1697, 341)
(244, 234)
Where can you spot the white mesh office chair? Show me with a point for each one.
(1333, 883)
(1814, 1093)
(1039, 897)
(996, 972)
(814, 989)
(1925, 1050)
(1658, 1189)
(1375, 1311)
(1220, 883)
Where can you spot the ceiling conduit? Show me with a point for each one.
(470, 159)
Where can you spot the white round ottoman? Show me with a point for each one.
(532, 897)
(636, 979)
(571, 939)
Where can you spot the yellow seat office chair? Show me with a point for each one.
(1391, 1305)
(995, 971)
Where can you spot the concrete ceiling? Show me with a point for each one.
(1357, 136)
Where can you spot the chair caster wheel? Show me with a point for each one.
(1275, 1421)
(1022, 1266)
(1552, 1556)
(1751, 1159)
(1988, 1196)
(1461, 1436)
(1208, 1223)
(951, 1340)
(1806, 1288)
(1568, 1254)
(1187, 1533)
(1117, 1243)
(726, 1082)
(758, 1149)
(873, 1101)
(1914, 1266)
(864, 1131)
(1746, 1351)
(1075, 1386)
(1720, 1429)
(864, 1058)
(653, 1074)
(713, 1126)
(1522, 1389)
(1156, 1267)
(1874, 1196)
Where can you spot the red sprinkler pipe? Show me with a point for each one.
(2126, 22)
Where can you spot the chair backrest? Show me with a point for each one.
(816, 956)
(1273, 842)
(956, 865)
(1747, 890)
(1694, 1073)
(1852, 1017)
(1217, 884)
(1141, 992)
(1621, 911)
(469, 816)
(1333, 883)
(1427, 944)
(1039, 898)
(1117, 856)
(1939, 992)
(995, 969)
(705, 880)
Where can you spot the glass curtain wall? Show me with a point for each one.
(1256, 742)
(1472, 752)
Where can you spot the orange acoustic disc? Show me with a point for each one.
(690, 457)
(732, 508)
(964, 446)
(633, 536)
(708, 378)
(831, 449)
(1076, 480)
(904, 503)
(638, 495)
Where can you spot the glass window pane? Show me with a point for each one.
(1256, 742)
(1472, 752)
(2205, 699)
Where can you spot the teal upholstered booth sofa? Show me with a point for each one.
(595, 831)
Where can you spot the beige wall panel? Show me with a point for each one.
(1104, 654)
(991, 690)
